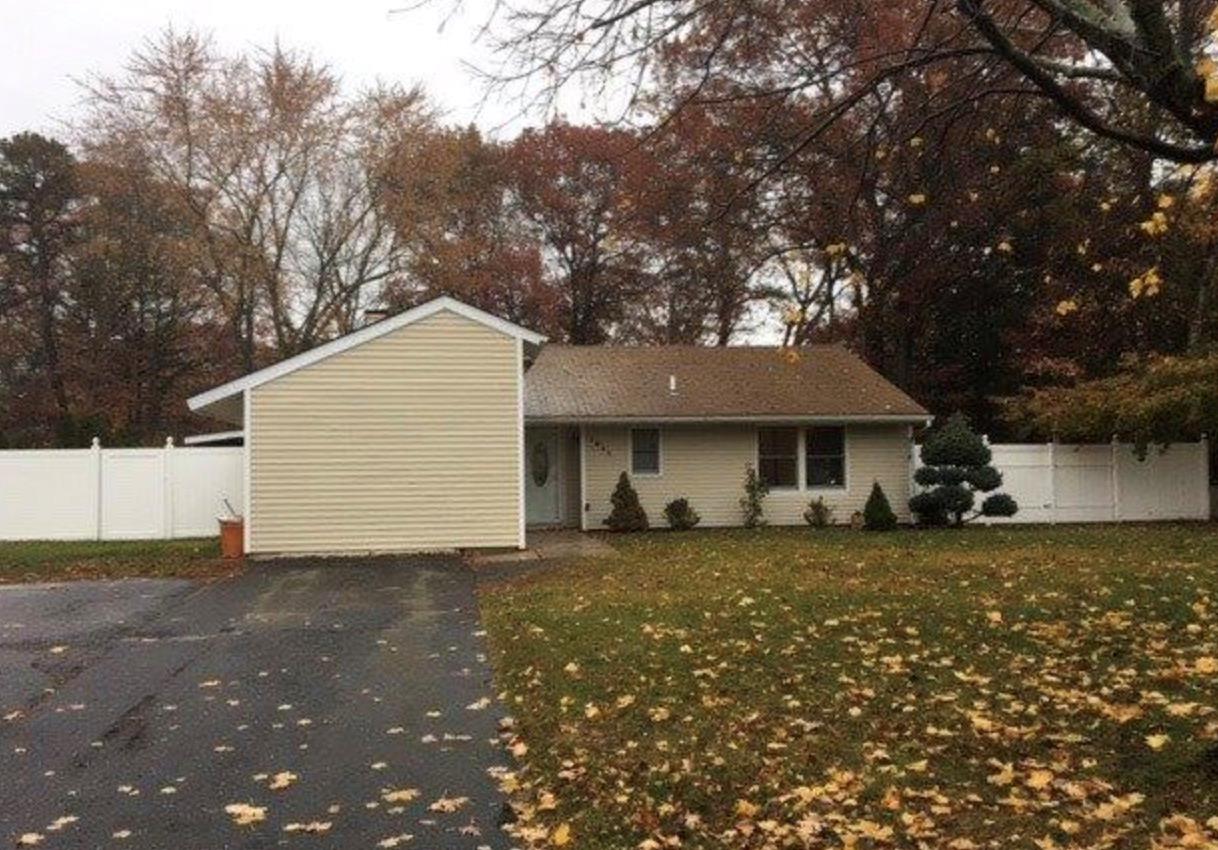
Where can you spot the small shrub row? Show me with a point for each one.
(628, 513)
(877, 513)
(956, 468)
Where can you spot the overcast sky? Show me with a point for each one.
(50, 43)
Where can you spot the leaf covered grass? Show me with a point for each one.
(1031, 687)
(70, 560)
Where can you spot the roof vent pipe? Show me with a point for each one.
(672, 384)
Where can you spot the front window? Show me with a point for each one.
(645, 451)
(778, 457)
(826, 457)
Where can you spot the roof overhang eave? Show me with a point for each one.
(826, 419)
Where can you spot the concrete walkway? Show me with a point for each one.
(562, 544)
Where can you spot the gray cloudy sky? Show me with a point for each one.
(49, 43)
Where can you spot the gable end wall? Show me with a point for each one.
(408, 442)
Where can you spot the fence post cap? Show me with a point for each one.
(169, 442)
(96, 444)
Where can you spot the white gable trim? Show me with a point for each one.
(214, 437)
(359, 337)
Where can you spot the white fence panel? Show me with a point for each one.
(1166, 485)
(1023, 468)
(117, 494)
(202, 479)
(1055, 482)
(48, 495)
(133, 494)
(1082, 478)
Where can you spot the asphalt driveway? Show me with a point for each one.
(326, 704)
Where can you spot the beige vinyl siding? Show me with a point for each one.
(706, 464)
(409, 441)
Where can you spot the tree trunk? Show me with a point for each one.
(1200, 324)
(50, 352)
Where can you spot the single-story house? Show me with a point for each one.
(447, 427)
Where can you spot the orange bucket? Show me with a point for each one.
(232, 537)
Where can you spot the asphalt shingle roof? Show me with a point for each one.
(606, 382)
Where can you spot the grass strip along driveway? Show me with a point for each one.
(1032, 687)
(68, 560)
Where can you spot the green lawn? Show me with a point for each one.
(85, 559)
(1036, 687)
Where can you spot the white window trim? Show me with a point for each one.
(659, 473)
(801, 459)
(803, 467)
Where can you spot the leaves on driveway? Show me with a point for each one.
(246, 814)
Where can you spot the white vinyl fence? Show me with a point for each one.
(131, 494)
(117, 494)
(1056, 482)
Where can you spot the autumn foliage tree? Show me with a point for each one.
(140, 327)
(1155, 400)
(869, 124)
(275, 167)
(39, 202)
(1135, 73)
(449, 194)
(703, 231)
(574, 186)
(883, 176)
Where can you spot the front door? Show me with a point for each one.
(541, 476)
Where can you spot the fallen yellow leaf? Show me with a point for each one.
(1039, 779)
(244, 814)
(282, 780)
(1157, 742)
(402, 795)
(448, 804)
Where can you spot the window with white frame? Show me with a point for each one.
(778, 457)
(645, 451)
(825, 453)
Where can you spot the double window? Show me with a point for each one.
(645, 451)
(824, 457)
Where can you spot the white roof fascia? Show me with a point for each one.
(214, 437)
